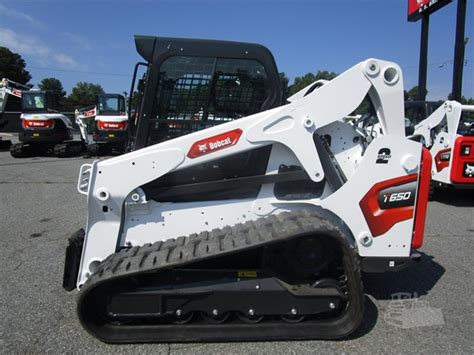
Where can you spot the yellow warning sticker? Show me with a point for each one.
(247, 273)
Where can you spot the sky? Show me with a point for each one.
(92, 40)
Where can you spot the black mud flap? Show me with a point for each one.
(73, 259)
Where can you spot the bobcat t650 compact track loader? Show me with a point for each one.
(257, 228)
(449, 134)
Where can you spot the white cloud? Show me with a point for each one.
(79, 41)
(20, 16)
(65, 60)
(35, 50)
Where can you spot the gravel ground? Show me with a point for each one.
(40, 208)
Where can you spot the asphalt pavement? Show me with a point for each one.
(428, 308)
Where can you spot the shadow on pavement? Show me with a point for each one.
(40, 160)
(454, 197)
(418, 279)
(369, 321)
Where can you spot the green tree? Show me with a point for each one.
(284, 84)
(54, 85)
(470, 101)
(84, 94)
(302, 81)
(324, 74)
(411, 94)
(12, 66)
(464, 101)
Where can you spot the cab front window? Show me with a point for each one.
(111, 104)
(33, 101)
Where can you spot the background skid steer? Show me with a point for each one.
(449, 135)
(273, 240)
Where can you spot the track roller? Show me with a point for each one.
(249, 317)
(180, 318)
(215, 317)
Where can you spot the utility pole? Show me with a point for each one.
(459, 51)
(422, 9)
(423, 64)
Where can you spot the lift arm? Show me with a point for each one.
(447, 114)
(81, 115)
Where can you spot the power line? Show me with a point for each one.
(449, 61)
(80, 71)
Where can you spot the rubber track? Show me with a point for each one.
(19, 150)
(219, 242)
(67, 149)
(60, 150)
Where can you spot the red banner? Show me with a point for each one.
(90, 113)
(16, 93)
(417, 8)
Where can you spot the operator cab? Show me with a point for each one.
(192, 84)
(38, 102)
(110, 105)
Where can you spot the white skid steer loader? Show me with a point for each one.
(449, 135)
(271, 244)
